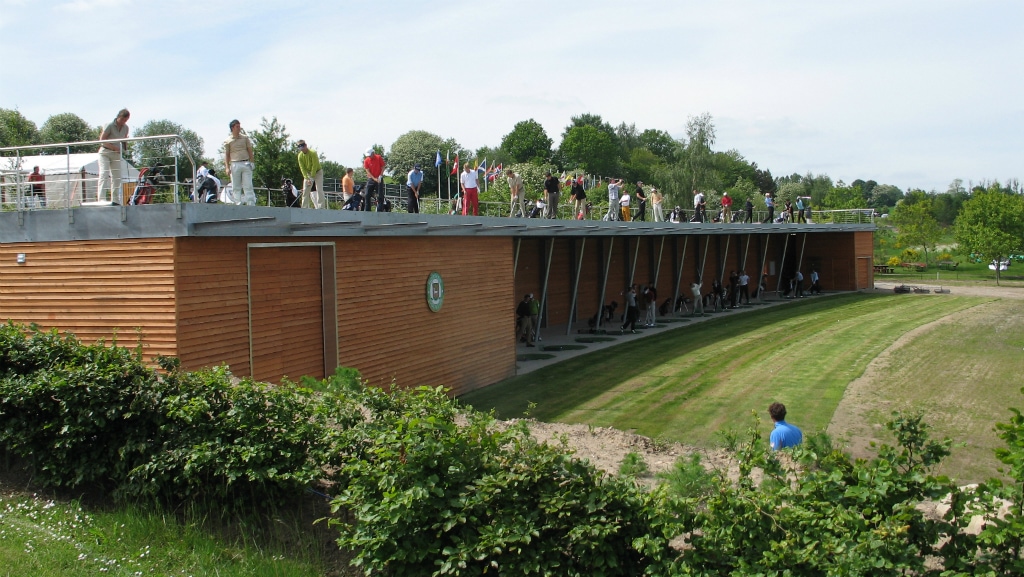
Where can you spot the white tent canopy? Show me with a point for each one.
(68, 177)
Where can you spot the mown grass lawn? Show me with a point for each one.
(689, 384)
(44, 538)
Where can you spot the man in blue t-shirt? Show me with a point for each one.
(784, 435)
(412, 189)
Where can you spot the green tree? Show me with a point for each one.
(67, 127)
(731, 166)
(642, 165)
(700, 137)
(332, 170)
(915, 225)
(16, 130)
(591, 149)
(528, 142)
(276, 157)
(167, 152)
(790, 191)
(841, 196)
(991, 225)
(595, 121)
(660, 143)
(741, 191)
(884, 196)
(764, 181)
(420, 146)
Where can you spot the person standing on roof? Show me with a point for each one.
(374, 165)
(412, 188)
(38, 186)
(109, 160)
(312, 175)
(614, 189)
(238, 158)
(470, 190)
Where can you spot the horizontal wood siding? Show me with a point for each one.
(286, 308)
(94, 289)
(388, 332)
(213, 303)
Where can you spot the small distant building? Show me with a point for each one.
(70, 178)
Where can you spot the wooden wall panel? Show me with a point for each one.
(529, 274)
(559, 296)
(213, 303)
(387, 331)
(94, 289)
(286, 311)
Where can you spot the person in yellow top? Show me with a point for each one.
(309, 165)
(238, 159)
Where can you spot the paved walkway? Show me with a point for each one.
(556, 346)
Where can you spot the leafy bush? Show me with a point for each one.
(910, 255)
(79, 415)
(96, 415)
(242, 441)
(688, 478)
(633, 465)
(836, 517)
(894, 261)
(430, 496)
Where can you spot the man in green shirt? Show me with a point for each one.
(309, 165)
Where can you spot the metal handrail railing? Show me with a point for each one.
(20, 184)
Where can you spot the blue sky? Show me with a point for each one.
(913, 93)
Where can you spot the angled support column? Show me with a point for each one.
(782, 265)
(576, 286)
(515, 263)
(544, 289)
(604, 282)
(679, 275)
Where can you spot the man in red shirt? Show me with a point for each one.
(726, 208)
(374, 165)
(38, 188)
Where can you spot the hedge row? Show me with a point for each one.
(430, 488)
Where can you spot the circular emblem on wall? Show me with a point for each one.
(435, 291)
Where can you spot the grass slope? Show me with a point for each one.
(962, 372)
(687, 385)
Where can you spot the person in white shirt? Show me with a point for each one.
(470, 190)
(614, 189)
(624, 203)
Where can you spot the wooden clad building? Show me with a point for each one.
(418, 299)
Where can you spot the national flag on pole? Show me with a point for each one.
(437, 161)
(483, 166)
(455, 167)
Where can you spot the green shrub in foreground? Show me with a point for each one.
(430, 496)
(79, 415)
(92, 415)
